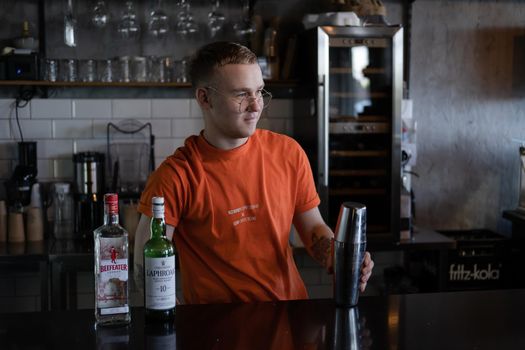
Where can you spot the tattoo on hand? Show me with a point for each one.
(321, 248)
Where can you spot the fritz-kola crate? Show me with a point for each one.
(478, 262)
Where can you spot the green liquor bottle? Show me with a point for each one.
(159, 269)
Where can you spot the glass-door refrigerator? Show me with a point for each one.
(352, 136)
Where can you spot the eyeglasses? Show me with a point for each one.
(243, 99)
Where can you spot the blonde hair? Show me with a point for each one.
(217, 54)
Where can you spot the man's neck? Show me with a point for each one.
(223, 143)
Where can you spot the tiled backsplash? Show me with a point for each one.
(62, 127)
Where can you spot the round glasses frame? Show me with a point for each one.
(261, 96)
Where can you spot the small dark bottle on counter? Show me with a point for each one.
(159, 269)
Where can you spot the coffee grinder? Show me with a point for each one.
(18, 187)
(89, 193)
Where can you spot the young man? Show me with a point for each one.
(233, 192)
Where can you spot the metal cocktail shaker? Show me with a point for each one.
(349, 251)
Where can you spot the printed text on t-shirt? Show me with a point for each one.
(244, 216)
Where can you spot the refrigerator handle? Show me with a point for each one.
(323, 131)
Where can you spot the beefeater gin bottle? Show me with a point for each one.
(111, 268)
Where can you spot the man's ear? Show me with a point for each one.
(201, 95)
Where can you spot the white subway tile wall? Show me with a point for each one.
(5, 129)
(51, 109)
(62, 127)
(100, 127)
(55, 149)
(33, 129)
(184, 127)
(7, 110)
(160, 127)
(72, 128)
(170, 108)
(92, 109)
(131, 108)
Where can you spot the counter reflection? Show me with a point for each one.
(282, 326)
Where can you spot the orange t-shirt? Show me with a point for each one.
(232, 211)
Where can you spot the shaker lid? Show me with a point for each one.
(351, 224)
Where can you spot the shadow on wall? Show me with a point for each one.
(518, 65)
(497, 62)
(464, 184)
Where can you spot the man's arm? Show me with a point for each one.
(142, 235)
(318, 238)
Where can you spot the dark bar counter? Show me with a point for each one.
(455, 320)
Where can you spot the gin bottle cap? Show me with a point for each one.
(111, 200)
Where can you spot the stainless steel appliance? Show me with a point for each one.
(353, 137)
(89, 192)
